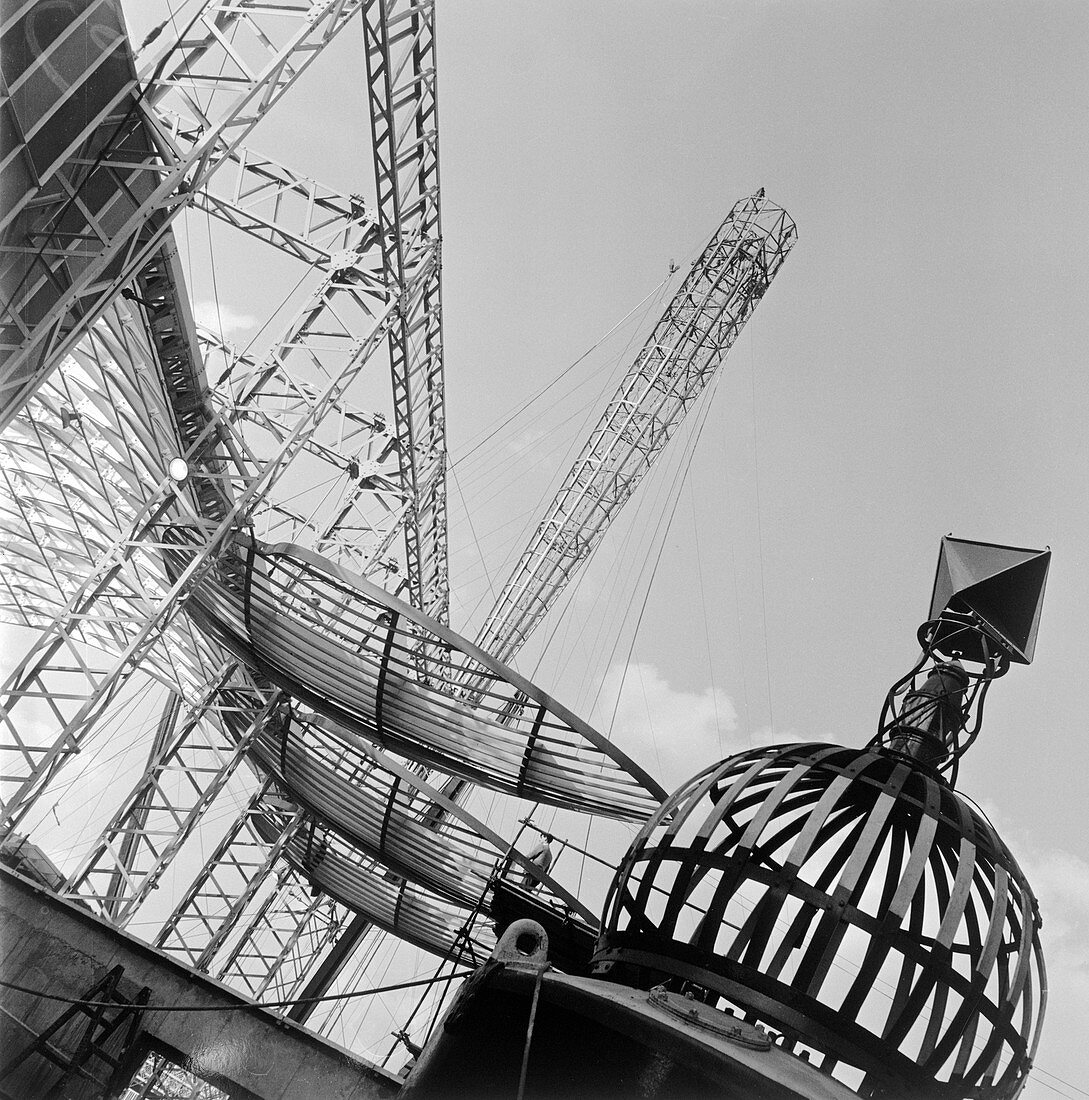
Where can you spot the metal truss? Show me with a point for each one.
(332, 335)
(79, 465)
(233, 875)
(673, 369)
(186, 771)
(400, 45)
(82, 461)
(229, 67)
(284, 939)
(402, 82)
(359, 528)
(39, 762)
(92, 575)
(338, 534)
(248, 916)
(300, 216)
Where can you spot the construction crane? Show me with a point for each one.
(678, 360)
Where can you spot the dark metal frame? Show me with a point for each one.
(93, 1028)
(943, 693)
(780, 857)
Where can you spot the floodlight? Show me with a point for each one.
(984, 610)
(1000, 588)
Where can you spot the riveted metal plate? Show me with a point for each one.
(697, 1014)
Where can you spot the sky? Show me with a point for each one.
(916, 368)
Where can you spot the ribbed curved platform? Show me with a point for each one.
(385, 809)
(387, 672)
(401, 908)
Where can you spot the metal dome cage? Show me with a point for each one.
(846, 896)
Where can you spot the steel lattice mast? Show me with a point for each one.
(678, 360)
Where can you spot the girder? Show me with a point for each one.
(230, 67)
(38, 763)
(132, 853)
(132, 875)
(182, 778)
(249, 917)
(336, 330)
(282, 939)
(31, 761)
(273, 203)
(133, 817)
(400, 55)
(677, 361)
(401, 69)
(379, 284)
(217, 898)
(263, 208)
(399, 40)
(160, 293)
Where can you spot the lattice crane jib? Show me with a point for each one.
(677, 362)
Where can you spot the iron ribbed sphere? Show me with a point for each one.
(851, 901)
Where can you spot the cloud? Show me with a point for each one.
(672, 733)
(223, 319)
(1060, 881)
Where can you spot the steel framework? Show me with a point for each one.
(677, 362)
(113, 557)
(92, 578)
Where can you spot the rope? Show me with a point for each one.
(229, 1008)
(529, 1034)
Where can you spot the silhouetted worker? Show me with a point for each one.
(413, 1049)
(541, 858)
(278, 722)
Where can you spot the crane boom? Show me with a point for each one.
(680, 357)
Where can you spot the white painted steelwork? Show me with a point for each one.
(91, 443)
(351, 651)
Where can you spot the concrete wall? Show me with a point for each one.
(51, 945)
